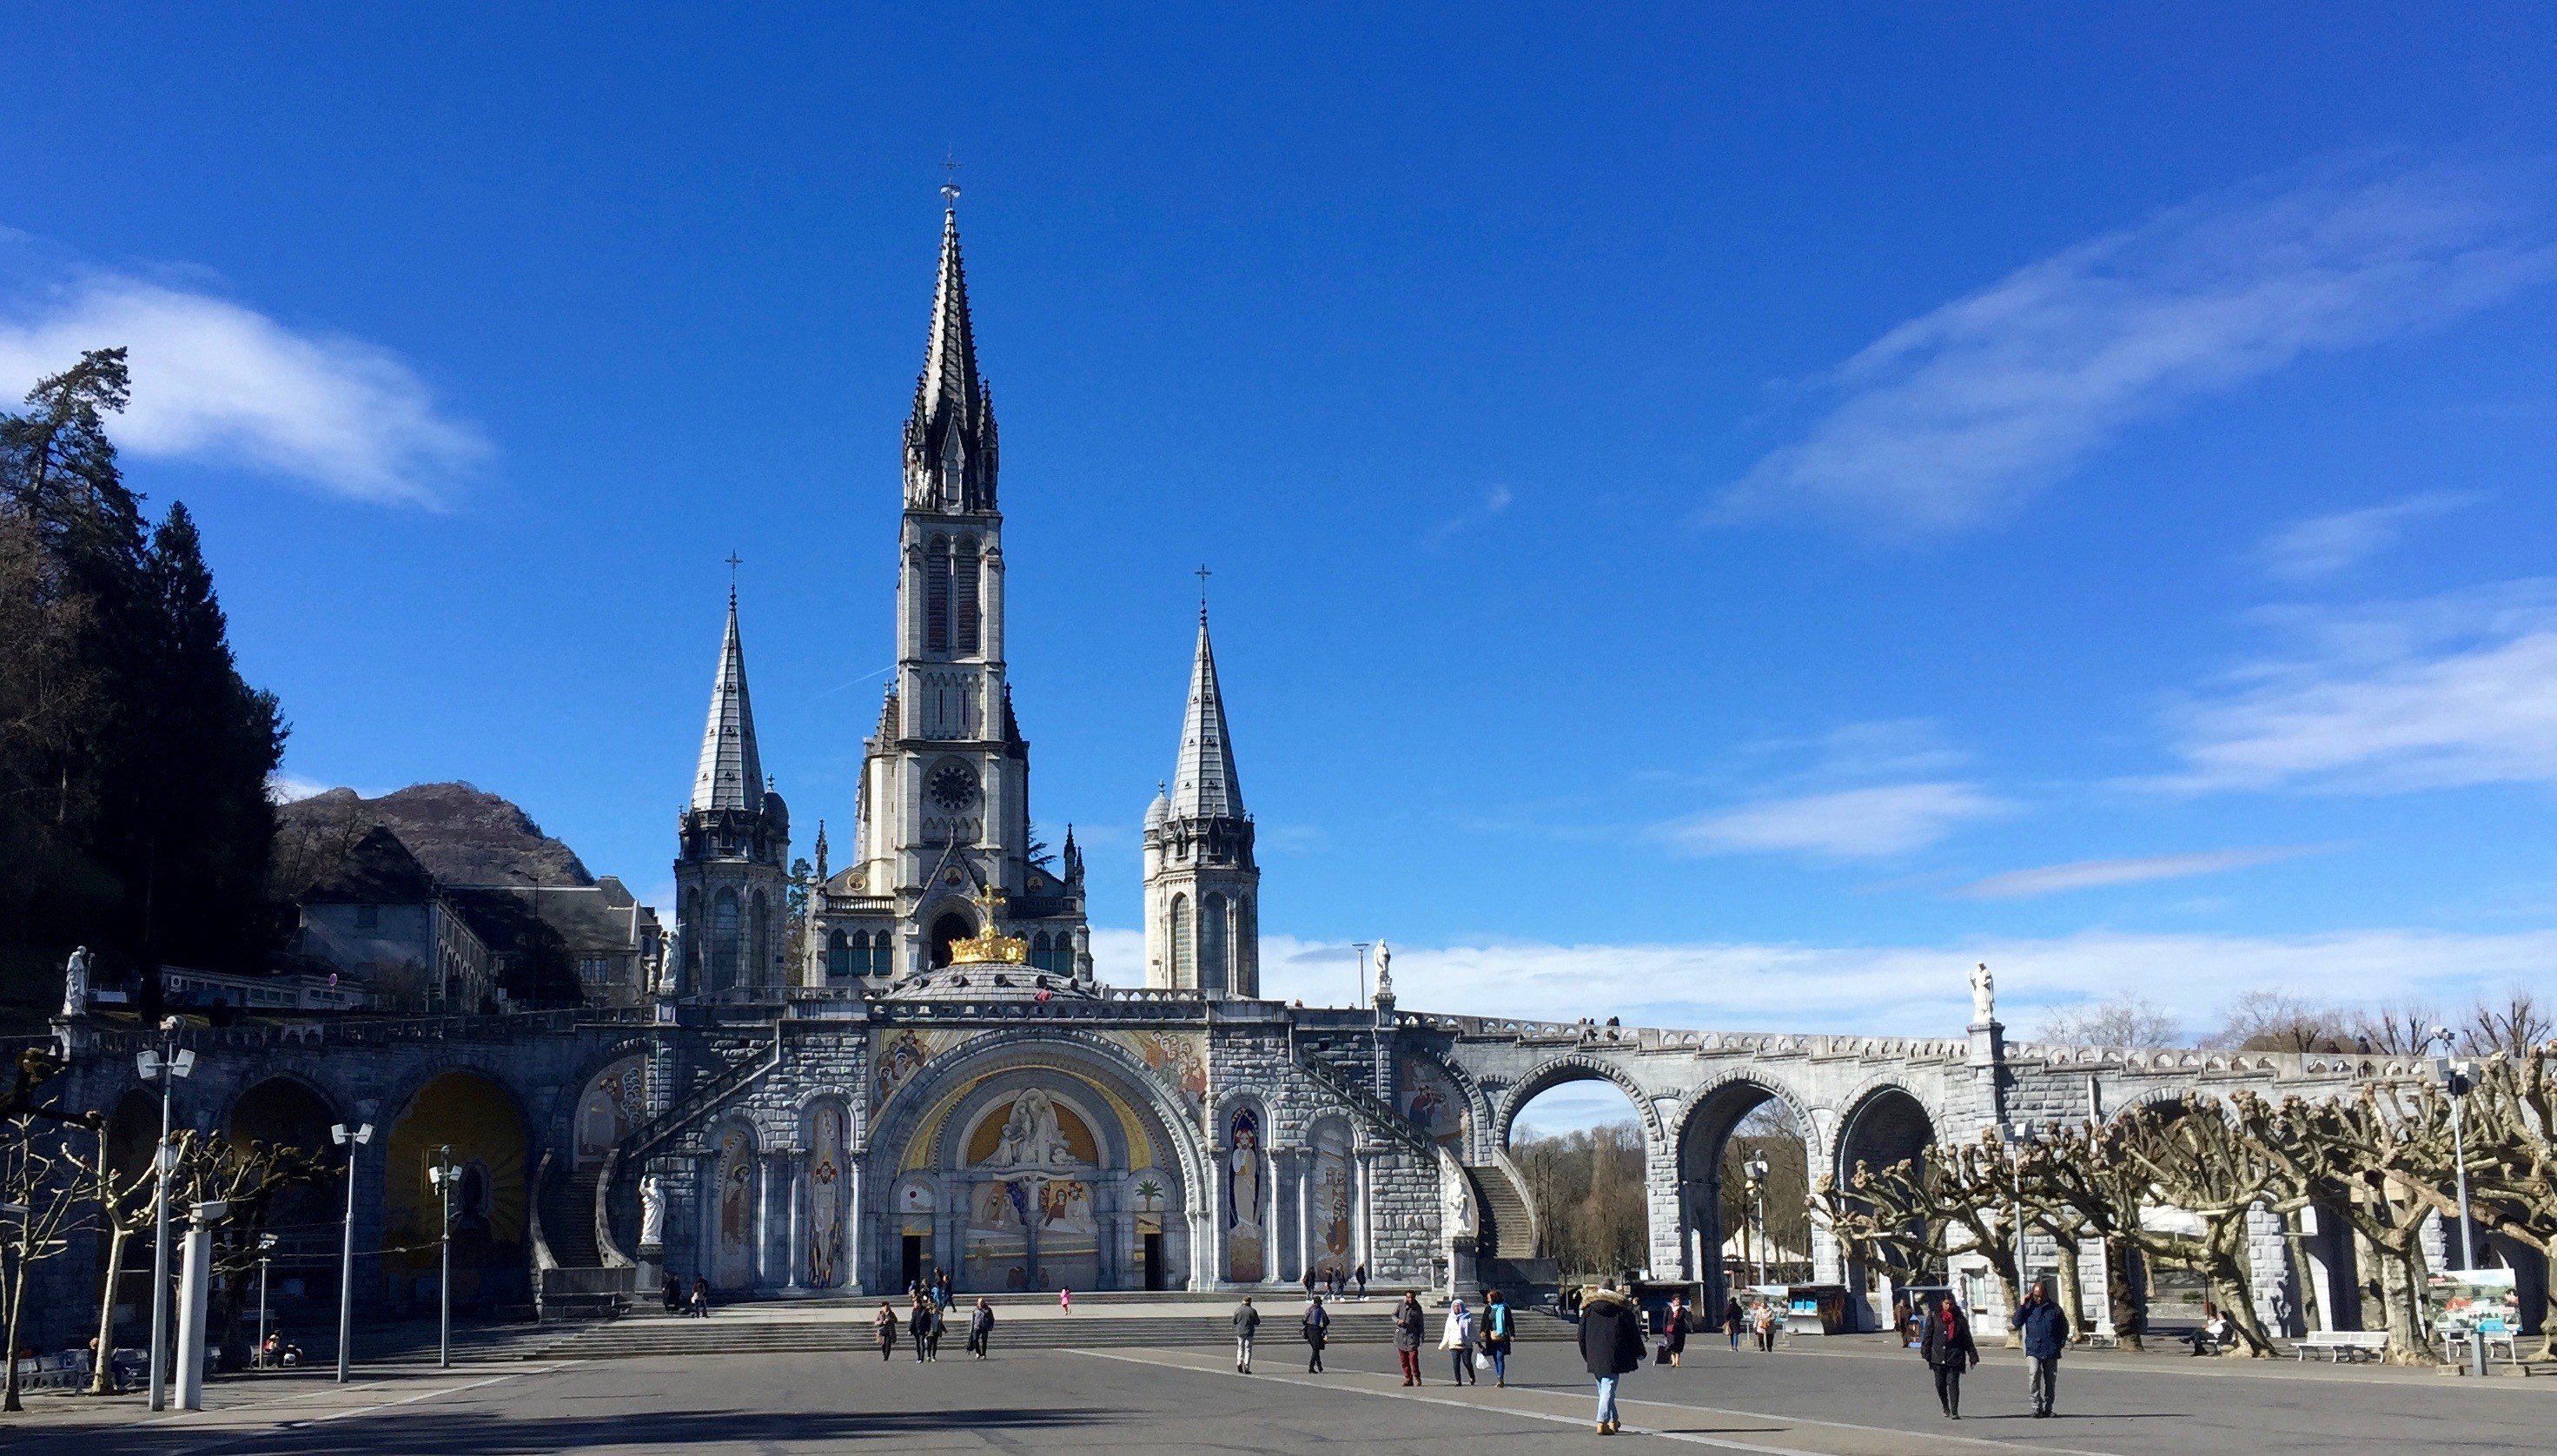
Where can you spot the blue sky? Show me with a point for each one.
(1719, 519)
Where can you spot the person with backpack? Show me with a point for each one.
(1611, 1344)
(1498, 1332)
(1247, 1323)
(981, 1328)
(1318, 1327)
(1947, 1350)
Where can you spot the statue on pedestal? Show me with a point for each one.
(1983, 996)
(652, 1213)
(1384, 973)
(76, 983)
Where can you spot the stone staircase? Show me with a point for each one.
(568, 1219)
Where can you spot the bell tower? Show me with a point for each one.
(731, 843)
(1202, 886)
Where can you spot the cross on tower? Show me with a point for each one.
(1203, 574)
(950, 183)
(734, 561)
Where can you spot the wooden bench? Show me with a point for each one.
(2340, 1345)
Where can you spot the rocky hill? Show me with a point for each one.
(462, 834)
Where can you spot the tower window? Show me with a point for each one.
(1212, 943)
(1184, 961)
(839, 956)
(936, 596)
(950, 927)
(724, 938)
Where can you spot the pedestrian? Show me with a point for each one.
(1611, 1344)
(1407, 1321)
(1947, 1350)
(1309, 1281)
(918, 1325)
(2044, 1327)
(702, 1297)
(1458, 1336)
(1498, 1332)
(1318, 1326)
(1674, 1328)
(1362, 1282)
(1761, 1323)
(887, 1329)
(1064, 1300)
(932, 1329)
(1731, 1318)
(1247, 1323)
(981, 1328)
(1899, 1319)
(671, 1295)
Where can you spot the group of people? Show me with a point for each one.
(672, 1296)
(1473, 1340)
(1336, 1281)
(1944, 1343)
(927, 1318)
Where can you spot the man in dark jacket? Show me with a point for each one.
(1611, 1343)
(1247, 1323)
(1945, 1345)
(1408, 1328)
(2044, 1327)
(981, 1328)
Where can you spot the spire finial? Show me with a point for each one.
(950, 178)
(734, 561)
(1203, 574)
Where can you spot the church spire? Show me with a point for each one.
(1203, 781)
(731, 775)
(950, 438)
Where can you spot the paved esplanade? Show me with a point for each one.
(1851, 1397)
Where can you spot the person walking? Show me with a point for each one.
(1309, 1281)
(981, 1328)
(1731, 1320)
(1947, 1350)
(1498, 1332)
(672, 1295)
(702, 1297)
(918, 1325)
(934, 1328)
(1761, 1323)
(887, 1330)
(2044, 1327)
(1064, 1300)
(1318, 1326)
(1407, 1323)
(1674, 1328)
(1247, 1323)
(1362, 1278)
(1458, 1336)
(1611, 1344)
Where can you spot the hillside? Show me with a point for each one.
(462, 834)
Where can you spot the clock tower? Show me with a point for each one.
(943, 811)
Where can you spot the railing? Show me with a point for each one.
(1379, 1112)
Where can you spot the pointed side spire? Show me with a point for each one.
(731, 775)
(1204, 785)
(950, 439)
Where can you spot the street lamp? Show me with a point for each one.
(346, 1264)
(2457, 1079)
(265, 1254)
(1360, 946)
(168, 1066)
(1755, 1170)
(443, 1175)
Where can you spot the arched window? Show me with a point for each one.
(724, 933)
(1212, 944)
(936, 596)
(1184, 969)
(1247, 948)
(839, 954)
(881, 958)
(950, 927)
(963, 596)
(759, 969)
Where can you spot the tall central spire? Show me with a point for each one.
(731, 775)
(1203, 781)
(950, 438)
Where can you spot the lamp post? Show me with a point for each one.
(168, 1066)
(1360, 946)
(1755, 1170)
(441, 1175)
(347, 1261)
(265, 1254)
(2457, 1078)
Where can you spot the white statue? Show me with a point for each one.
(652, 1212)
(1031, 1137)
(670, 960)
(1383, 976)
(1983, 996)
(1456, 1205)
(76, 983)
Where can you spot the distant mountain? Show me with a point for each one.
(462, 835)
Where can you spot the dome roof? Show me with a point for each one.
(1159, 813)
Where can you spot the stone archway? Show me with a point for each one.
(1729, 1231)
(1885, 1126)
(478, 1120)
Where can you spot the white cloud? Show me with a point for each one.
(285, 789)
(1496, 501)
(1850, 824)
(2445, 691)
(1966, 410)
(2324, 545)
(2050, 880)
(214, 380)
(1912, 991)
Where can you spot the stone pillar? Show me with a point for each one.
(794, 1185)
(1362, 1181)
(1269, 1246)
(1216, 1214)
(989, 599)
(857, 1233)
(763, 1220)
(1304, 1161)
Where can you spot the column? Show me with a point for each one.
(794, 1181)
(1363, 1160)
(1304, 1211)
(763, 1220)
(989, 603)
(1270, 1221)
(857, 1233)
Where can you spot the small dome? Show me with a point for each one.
(1159, 813)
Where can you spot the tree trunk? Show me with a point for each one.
(101, 1380)
(2071, 1301)
(2404, 1300)
(2130, 1320)
(17, 1296)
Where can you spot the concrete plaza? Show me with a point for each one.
(1844, 1397)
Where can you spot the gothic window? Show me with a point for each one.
(936, 596)
(1184, 969)
(962, 595)
(880, 962)
(839, 954)
(1212, 943)
(1247, 940)
(724, 947)
(689, 974)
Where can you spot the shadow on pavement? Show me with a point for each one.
(478, 1433)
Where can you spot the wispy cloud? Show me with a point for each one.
(2324, 545)
(1850, 824)
(1905, 989)
(214, 380)
(285, 789)
(1495, 502)
(2052, 879)
(2443, 692)
(1964, 411)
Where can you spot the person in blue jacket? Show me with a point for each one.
(2044, 1327)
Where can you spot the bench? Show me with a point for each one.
(2101, 1340)
(2454, 1345)
(2340, 1345)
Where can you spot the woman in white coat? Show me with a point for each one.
(1459, 1337)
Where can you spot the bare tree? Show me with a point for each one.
(2126, 1020)
(2396, 1029)
(2276, 1020)
(37, 1174)
(2515, 1028)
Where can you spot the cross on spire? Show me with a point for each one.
(950, 178)
(734, 561)
(1203, 574)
